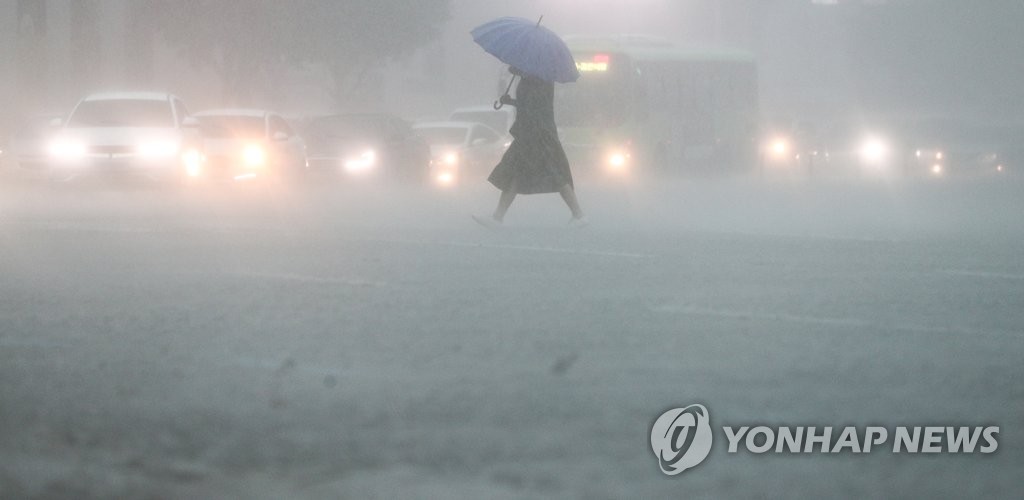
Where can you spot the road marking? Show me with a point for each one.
(523, 248)
(983, 274)
(827, 321)
(33, 340)
(302, 278)
(87, 228)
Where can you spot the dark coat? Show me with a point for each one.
(535, 161)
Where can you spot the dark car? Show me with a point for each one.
(791, 148)
(377, 145)
(957, 148)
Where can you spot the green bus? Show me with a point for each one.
(647, 106)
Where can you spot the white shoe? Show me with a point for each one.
(579, 222)
(488, 222)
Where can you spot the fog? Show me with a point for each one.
(812, 220)
(920, 57)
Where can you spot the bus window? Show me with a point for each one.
(668, 107)
(600, 98)
(641, 98)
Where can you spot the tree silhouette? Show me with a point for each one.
(352, 39)
(32, 51)
(139, 38)
(86, 46)
(243, 42)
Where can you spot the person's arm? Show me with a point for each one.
(507, 100)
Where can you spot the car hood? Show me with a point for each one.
(229, 145)
(440, 149)
(340, 146)
(120, 136)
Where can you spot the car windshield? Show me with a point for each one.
(233, 126)
(498, 120)
(346, 127)
(122, 113)
(446, 136)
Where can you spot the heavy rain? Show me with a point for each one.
(705, 248)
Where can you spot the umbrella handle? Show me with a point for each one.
(498, 104)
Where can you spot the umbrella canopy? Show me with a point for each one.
(528, 46)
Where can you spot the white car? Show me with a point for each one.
(461, 150)
(500, 120)
(242, 144)
(146, 134)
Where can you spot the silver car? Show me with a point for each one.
(243, 144)
(461, 150)
(143, 134)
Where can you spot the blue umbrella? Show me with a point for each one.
(527, 45)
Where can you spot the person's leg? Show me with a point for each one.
(569, 196)
(505, 201)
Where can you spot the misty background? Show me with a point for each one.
(817, 58)
(362, 339)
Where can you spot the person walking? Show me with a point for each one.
(535, 162)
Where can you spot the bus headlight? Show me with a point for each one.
(618, 160)
(779, 148)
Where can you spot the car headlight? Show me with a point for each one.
(449, 159)
(445, 178)
(874, 151)
(158, 148)
(365, 161)
(253, 155)
(62, 147)
(193, 162)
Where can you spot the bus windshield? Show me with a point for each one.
(600, 98)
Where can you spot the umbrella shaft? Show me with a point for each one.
(497, 104)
